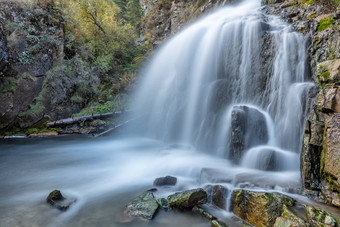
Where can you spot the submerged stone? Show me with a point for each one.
(188, 198)
(57, 200)
(144, 206)
(164, 181)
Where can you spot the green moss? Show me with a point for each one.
(309, 2)
(322, 159)
(325, 23)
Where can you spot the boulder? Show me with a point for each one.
(289, 219)
(164, 181)
(248, 129)
(259, 208)
(144, 206)
(329, 100)
(328, 71)
(188, 198)
(56, 199)
(319, 217)
(219, 196)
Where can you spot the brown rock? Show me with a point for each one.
(259, 208)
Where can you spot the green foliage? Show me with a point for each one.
(325, 23)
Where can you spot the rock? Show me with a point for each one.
(289, 219)
(144, 206)
(163, 181)
(330, 160)
(219, 196)
(269, 2)
(248, 129)
(328, 71)
(284, 222)
(163, 203)
(259, 208)
(329, 100)
(203, 213)
(56, 199)
(318, 217)
(188, 198)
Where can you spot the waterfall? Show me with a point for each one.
(230, 84)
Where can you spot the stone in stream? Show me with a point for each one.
(219, 196)
(248, 129)
(165, 181)
(56, 199)
(144, 206)
(163, 203)
(259, 208)
(188, 198)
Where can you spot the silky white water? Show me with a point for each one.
(222, 102)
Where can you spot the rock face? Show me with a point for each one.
(163, 18)
(320, 23)
(248, 129)
(164, 181)
(56, 199)
(4, 55)
(144, 206)
(188, 199)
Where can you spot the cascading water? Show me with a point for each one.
(227, 84)
(222, 102)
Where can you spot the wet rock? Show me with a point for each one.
(259, 208)
(163, 203)
(248, 129)
(188, 198)
(165, 181)
(318, 217)
(219, 196)
(203, 213)
(288, 218)
(56, 199)
(144, 206)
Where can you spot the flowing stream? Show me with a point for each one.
(222, 102)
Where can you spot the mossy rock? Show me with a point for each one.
(188, 198)
(259, 208)
(144, 206)
(57, 200)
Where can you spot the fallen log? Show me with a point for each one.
(117, 127)
(74, 120)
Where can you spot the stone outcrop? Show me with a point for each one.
(164, 18)
(319, 21)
